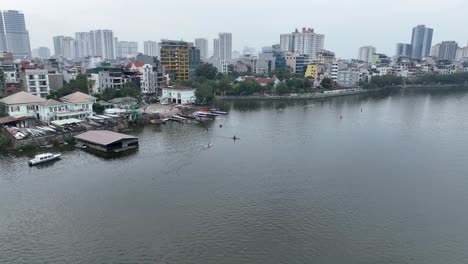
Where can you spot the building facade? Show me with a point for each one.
(366, 53)
(37, 82)
(178, 94)
(175, 58)
(126, 49)
(41, 53)
(447, 50)
(64, 47)
(14, 37)
(305, 42)
(202, 45)
(421, 42)
(347, 78)
(225, 46)
(151, 48)
(403, 50)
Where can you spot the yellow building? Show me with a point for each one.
(311, 71)
(175, 58)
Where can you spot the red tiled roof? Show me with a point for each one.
(265, 80)
(137, 64)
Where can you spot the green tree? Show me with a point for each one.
(207, 71)
(282, 88)
(99, 109)
(204, 93)
(326, 83)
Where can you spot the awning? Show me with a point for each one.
(66, 121)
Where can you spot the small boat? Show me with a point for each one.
(219, 112)
(42, 158)
(157, 121)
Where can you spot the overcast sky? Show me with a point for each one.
(347, 24)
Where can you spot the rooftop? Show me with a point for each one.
(22, 98)
(78, 97)
(103, 137)
(179, 87)
(51, 102)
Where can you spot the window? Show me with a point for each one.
(31, 77)
(32, 83)
(43, 83)
(32, 90)
(42, 76)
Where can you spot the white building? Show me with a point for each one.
(83, 44)
(366, 53)
(178, 94)
(151, 48)
(102, 44)
(219, 64)
(126, 49)
(20, 104)
(37, 82)
(216, 48)
(334, 72)
(305, 42)
(148, 77)
(202, 45)
(41, 53)
(225, 46)
(71, 74)
(64, 47)
(77, 105)
(348, 78)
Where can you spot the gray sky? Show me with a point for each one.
(347, 24)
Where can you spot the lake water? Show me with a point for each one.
(385, 185)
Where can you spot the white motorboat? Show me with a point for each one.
(42, 158)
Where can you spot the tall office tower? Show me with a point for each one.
(305, 42)
(175, 58)
(41, 53)
(225, 46)
(447, 50)
(126, 49)
(83, 44)
(13, 34)
(64, 47)
(151, 48)
(102, 44)
(366, 53)
(403, 50)
(216, 48)
(421, 41)
(202, 45)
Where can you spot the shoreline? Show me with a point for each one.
(343, 92)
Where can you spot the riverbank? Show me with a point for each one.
(342, 92)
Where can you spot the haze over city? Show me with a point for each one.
(347, 25)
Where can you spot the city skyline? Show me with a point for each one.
(43, 22)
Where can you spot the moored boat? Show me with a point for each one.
(42, 158)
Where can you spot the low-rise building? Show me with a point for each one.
(124, 102)
(312, 71)
(37, 82)
(21, 104)
(347, 78)
(78, 105)
(178, 94)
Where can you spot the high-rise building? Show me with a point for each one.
(64, 47)
(305, 42)
(403, 50)
(151, 48)
(462, 54)
(225, 46)
(202, 45)
(447, 50)
(216, 48)
(83, 44)
(194, 60)
(14, 37)
(102, 44)
(366, 53)
(126, 49)
(175, 58)
(421, 41)
(435, 50)
(41, 53)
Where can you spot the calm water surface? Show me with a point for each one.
(385, 185)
